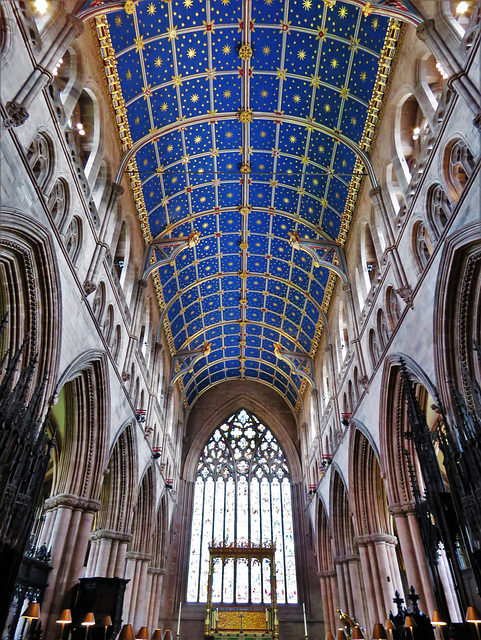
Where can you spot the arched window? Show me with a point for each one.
(73, 238)
(39, 156)
(439, 209)
(242, 493)
(382, 329)
(392, 306)
(459, 162)
(58, 202)
(423, 247)
(374, 349)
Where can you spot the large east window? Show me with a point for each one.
(242, 493)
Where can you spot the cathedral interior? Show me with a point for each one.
(240, 319)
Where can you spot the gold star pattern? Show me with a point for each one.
(334, 63)
(158, 61)
(264, 93)
(297, 98)
(197, 139)
(315, 82)
(151, 9)
(344, 92)
(353, 121)
(375, 23)
(292, 139)
(194, 98)
(363, 76)
(139, 44)
(118, 21)
(177, 80)
(191, 53)
(266, 50)
(128, 75)
(343, 12)
(163, 106)
(281, 73)
(307, 4)
(327, 108)
(170, 148)
(227, 93)
(226, 49)
(188, 3)
(301, 54)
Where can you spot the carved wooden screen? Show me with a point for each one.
(242, 493)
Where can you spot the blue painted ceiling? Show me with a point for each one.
(243, 288)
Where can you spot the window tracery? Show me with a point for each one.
(242, 493)
(439, 209)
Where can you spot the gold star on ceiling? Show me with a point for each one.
(301, 54)
(194, 98)
(128, 75)
(191, 53)
(307, 4)
(264, 93)
(139, 44)
(343, 12)
(375, 23)
(170, 148)
(118, 21)
(227, 93)
(188, 3)
(363, 76)
(281, 74)
(158, 61)
(164, 106)
(334, 63)
(151, 9)
(266, 50)
(297, 98)
(226, 49)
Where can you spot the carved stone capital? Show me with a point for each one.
(425, 29)
(125, 376)
(157, 571)
(142, 284)
(135, 555)
(402, 509)
(17, 115)
(375, 192)
(346, 559)
(108, 534)
(89, 287)
(375, 538)
(117, 189)
(75, 23)
(75, 503)
(326, 574)
(406, 294)
(346, 286)
(364, 382)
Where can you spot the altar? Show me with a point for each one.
(243, 622)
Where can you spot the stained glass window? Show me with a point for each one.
(242, 492)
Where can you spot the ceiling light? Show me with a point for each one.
(41, 6)
(460, 9)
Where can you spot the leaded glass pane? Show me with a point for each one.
(242, 493)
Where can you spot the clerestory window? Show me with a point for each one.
(242, 493)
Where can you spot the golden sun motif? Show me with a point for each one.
(334, 63)
(301, 54)
(158, 61)
(264, 93)
(163, 106)
(266, 51)
(227, 93)
(195, 98)
(226, 49)
(191, 53)
(151, 9)
(297, 98)
(307, 4)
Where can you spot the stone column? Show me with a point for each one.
(104, 551)
(136, 572)
(352, 315)
(357, 589)
(17, 109)
(116, 191)
(459, 80)
(330, 598)
(404, 289)
(155, 596)
(133, 339)
(67, 536)
(413, 553)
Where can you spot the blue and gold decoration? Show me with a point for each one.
(247, 115)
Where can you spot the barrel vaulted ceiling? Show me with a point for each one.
(246, 116)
